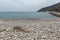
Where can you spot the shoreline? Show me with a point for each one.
(56, 19)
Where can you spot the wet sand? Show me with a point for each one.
(29, 30)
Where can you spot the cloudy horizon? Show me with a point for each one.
(25, 5)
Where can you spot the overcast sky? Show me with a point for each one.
(25, 5)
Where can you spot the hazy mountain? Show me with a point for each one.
(55, 7)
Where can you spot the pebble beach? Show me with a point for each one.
(29, 30)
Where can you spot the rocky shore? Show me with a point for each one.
(29, 30)
(57, 14)
(53, 9)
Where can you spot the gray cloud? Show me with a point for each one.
(25, 5)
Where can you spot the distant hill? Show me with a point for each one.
(55, 7)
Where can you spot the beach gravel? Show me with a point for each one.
(29, 30)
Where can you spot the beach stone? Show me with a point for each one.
(28, 30)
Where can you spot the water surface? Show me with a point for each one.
(26, 15)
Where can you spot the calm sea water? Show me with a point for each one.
(26, 15)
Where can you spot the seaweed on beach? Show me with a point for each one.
(19, 28)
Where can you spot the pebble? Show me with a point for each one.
(35, 31)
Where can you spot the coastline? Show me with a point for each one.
(55, 19)
(54, 13)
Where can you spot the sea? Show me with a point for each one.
(25, 15)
